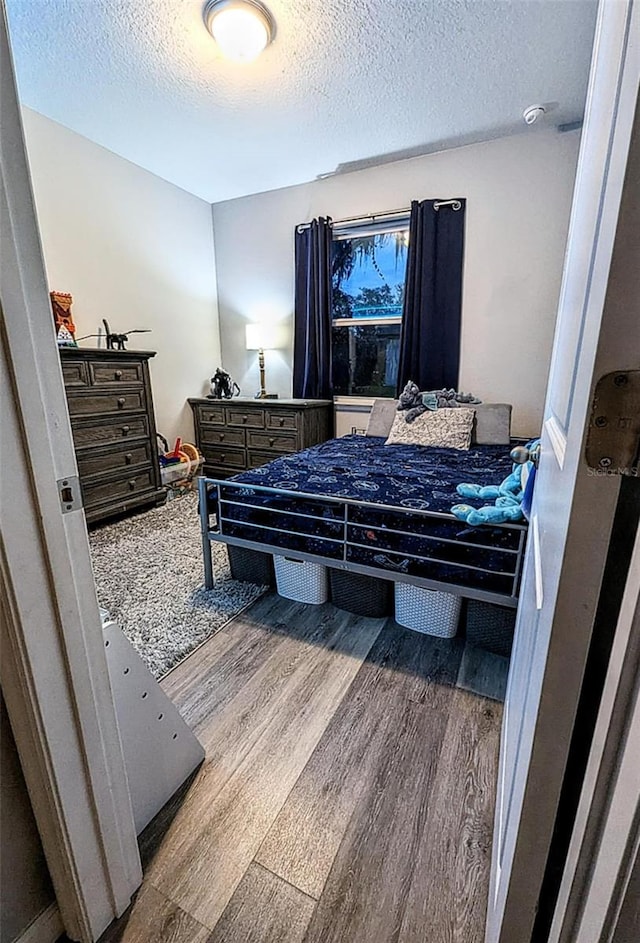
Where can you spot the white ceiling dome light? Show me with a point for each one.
(241, 28)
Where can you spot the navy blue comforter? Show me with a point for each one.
(363, 467)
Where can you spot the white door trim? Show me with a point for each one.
(54, 672)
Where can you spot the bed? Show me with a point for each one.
(357, 504)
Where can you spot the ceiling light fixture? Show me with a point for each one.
(241, 28)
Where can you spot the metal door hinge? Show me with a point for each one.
(613, 437)
(70, 494)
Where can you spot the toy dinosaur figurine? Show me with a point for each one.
(414, 402)
(116, 341)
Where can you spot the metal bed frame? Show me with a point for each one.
(222, 532)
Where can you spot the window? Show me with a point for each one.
(368, 273)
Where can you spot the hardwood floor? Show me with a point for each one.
(347, 795)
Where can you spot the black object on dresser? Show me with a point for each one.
(237, 434)
(114, 430)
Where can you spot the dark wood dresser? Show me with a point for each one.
(114, 430)
(237, 434)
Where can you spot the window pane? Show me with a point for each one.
(368, 275)
(365, 359)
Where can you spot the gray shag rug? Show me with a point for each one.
(148, 571)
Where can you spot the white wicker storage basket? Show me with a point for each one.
(301, 580)
(427, 611)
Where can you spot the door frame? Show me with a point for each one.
(604, 854)
(547, 728)
(53, 671)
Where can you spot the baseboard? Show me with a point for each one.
(46, 928)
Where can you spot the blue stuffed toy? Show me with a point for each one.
(511, 498)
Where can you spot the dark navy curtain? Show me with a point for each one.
(312, 313)
(431, 316)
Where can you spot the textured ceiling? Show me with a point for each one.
(344, 82)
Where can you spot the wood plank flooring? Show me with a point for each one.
(347, 795)
(264, 909)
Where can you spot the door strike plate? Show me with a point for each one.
(613, 437)
(70, 494)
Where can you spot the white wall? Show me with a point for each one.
(134, 249)
(518, 192)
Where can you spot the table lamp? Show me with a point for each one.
(263, 336)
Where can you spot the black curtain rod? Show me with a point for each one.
(369, 217)
(391, 214)
(373, 217)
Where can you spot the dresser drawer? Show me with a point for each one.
(209, 436)
(116, 372)
(282, 419)
(212, 414)
(219, 471)
(87, 433)
(249, 418)
(100, 491)
(99, 403)
(112, 458)
(256, 459)
(75, 373)
(279, 442)
(232, 458)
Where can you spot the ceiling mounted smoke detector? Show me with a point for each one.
(534, 113)
(241, 28)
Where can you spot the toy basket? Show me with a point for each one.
(251, 566)
(490, 627)
(427, 611)
(361, 594)
(179, 466)
(180, 472)
(301, 580)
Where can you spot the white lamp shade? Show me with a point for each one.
(265, 336)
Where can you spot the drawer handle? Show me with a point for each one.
(128, 458)
(132, 484)
(121, 402)
(125, 430)
(244, 418)
(221, 436)
(118, 374)
(222, 457)
(271, 441)
(281, 421)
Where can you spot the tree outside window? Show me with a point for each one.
(368, 278)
